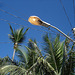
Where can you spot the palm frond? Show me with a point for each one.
(45, 66)
(49, 67)
(11, 29)
(12, 70)
(33, 52)
(33, 49)
(26, 31)
(68, 66)
(49, 48)
(22, 55)
(55, 49)
(58, 52)
(37, 50)
(6, 60)
(17, 35)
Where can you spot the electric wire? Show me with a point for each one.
(54, 32)
(66, 13)
(19, 42)
(19, 18)
(26, 16)
(13, 15)
(32, 28)
(74, 11)
(22, 25)
(22, 43)
(5, 42)
(24, 20)
(14, 9)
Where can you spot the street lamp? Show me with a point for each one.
(37, 21)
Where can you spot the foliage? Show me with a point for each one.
(59, 57)
(12, 70)
(17, 35)
(68, 67)
(54, 49)
(6, 61)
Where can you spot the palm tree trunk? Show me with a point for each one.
(13, 54)
(15, 46)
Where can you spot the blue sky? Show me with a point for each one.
(50, 11)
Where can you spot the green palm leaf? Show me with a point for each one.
(11, 29)
(37, 50)
(12, 70)
(23, 55)
(17, 35)
(55, 49)
(26, 31)
(68, 65)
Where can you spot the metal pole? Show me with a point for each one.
(49, 25)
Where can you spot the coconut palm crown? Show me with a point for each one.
(17, 36)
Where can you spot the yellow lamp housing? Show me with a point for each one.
(37, 21)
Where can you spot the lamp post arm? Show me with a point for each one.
(47, 25)
(37, 21)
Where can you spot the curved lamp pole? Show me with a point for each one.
(37, 21)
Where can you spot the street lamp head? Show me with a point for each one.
(35, 20)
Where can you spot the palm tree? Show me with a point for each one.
(68, 67)
(57, 60)
(17, 36)
(38, 63)
(24, 68)
(61, 55)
